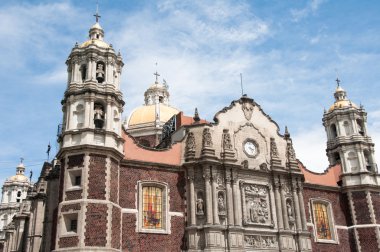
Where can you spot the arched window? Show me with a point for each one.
(79, 115)
(333, 131)
(19, 194)
(347, 128)
(83, 72)
(100, 71)
(98, 115)
(153, 209)
(360, 125)
(368, 160)
(323, 222)
(353, 161)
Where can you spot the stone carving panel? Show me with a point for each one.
(260, 241)
(206, 140)
(256, 204)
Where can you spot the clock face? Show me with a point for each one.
(250, 148)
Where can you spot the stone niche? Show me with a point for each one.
(256, 205)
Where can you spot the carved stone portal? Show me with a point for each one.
(257, 207)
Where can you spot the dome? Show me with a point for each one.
(18, 178)
(342, 104)
(97, 42)
(96, 26)
(146, 114)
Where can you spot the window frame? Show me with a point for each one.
(330, 216)
(165, 229)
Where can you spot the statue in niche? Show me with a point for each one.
(289, 211)
(100, 72)
(253, 212)
(221, 204)
(247, 110)
(264, 167)
(190, 142)
(207, 140)
(273, 148)
(226, 140)
(200, 206)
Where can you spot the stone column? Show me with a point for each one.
(93, 70)
(279, 206)
(283, 203)
(87, 109)
(207, 176)
(70, 113)
(215, 195)
(296, 204)
(108, 115)
(302, 206)
(72, 79)
(92, 114)
(89, 69)
(190, 177)
(236, 195)
(230, 206)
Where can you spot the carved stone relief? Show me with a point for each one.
(247, 110)
(273, 148)
(190, 142)
(245, 164)
(259, 241)
(290, 153)
(257, 206)
(226, 142)
(206, 140)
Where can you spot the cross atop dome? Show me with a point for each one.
(97, 16)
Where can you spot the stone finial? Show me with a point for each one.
(196, 116)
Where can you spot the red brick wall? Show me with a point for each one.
(128, 186)
(74, 207)
(97, 177)
(66, 242)
(367, 239)
(342, 217)
(141, 242)
(116, 227)
(73, 195)
(376, 205)
(114, 181)
(339, 204)
(361, 207)
(96, 225)
(75, 160)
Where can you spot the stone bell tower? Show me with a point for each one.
(350, 146)
(91, 148)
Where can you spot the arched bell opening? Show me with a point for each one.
(99, 115)
(100, 71)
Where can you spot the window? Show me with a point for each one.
(78, 180)
(334, 133)
(73, 225)
(153, 207)
(19, 194)
(323, 221)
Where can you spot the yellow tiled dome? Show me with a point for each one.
(146, 114)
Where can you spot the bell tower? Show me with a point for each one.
(350, 146)
(348, 141)
(91, 148)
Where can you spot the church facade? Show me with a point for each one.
(164, 181)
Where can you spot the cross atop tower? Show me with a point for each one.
(156, 74)
(97, 16)
(337, 81)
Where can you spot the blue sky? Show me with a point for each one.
(287, 51)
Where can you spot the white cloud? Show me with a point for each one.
(311, 8)
(309, 145)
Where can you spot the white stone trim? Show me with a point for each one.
(129, 210)
(178, 214)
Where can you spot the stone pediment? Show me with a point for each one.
(241, 133)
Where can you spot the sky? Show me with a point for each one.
(289, 53)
